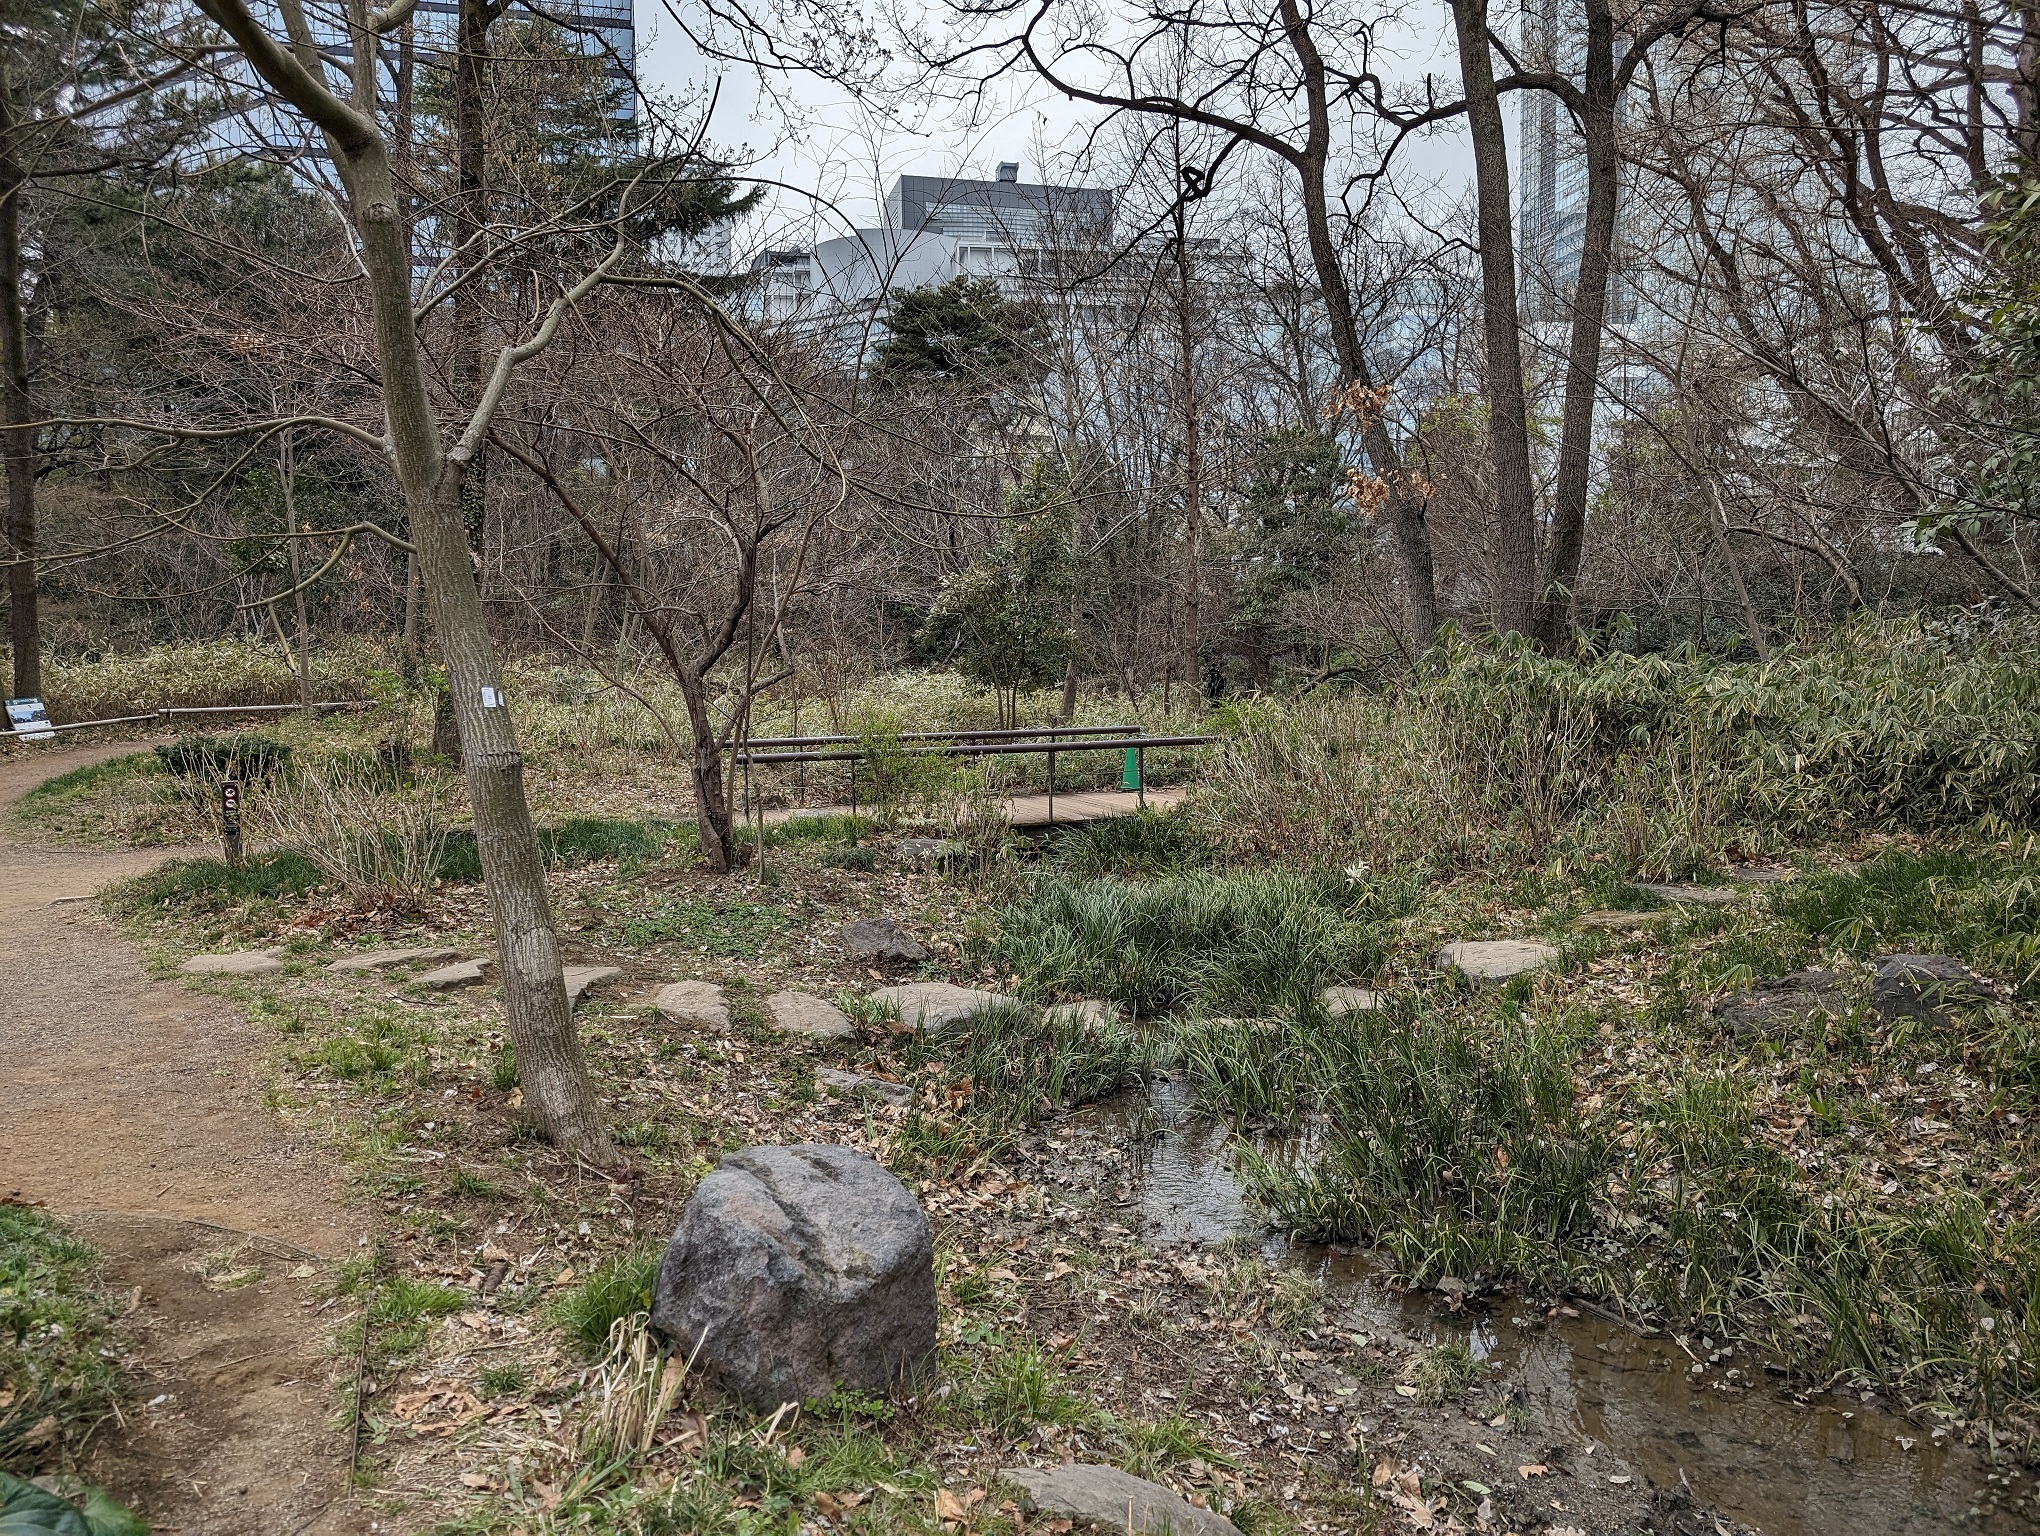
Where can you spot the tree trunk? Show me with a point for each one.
(712, 815)
(1193, 460)
(1406, 510)
(555, 1080)
(1556, 601)
(17, 437)
(288, 464)
(1508, 413)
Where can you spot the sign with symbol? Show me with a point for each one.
(230, 819)
(29, 720)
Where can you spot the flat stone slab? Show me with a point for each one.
(853, 1085)
(936, 1007)
(462, 973)
(877, 938)
(1782, 1003)
(579, 978)
(1340, 1001)
(390, 959)
(241, 962)
(1107, 1499)
(1491, 961)
(800, 1013)
(1761, 874)
(1693, 895)
(1618, 921)
(1092, 1011)
(693, 1002)
(1925, 987)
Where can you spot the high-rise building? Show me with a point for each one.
(1551, 200)
(936, 228)
(604, 30)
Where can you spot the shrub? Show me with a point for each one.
(380, 845)
(1149, 843)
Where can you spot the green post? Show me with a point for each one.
(1129, 776)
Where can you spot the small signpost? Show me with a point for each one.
(230, 819)
(29, 720)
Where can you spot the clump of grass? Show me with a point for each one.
(1013, 1383)
(206, 760)
(1149, 843)
(212, 885)
(1013, 1065)
(504, 1380)
(710, 925)
(59, 1345)
(1979, 903)
(1238, 940)
(379, 1048)
(402, 1310)
(1445, 1372)
(617, 1287)
(1453, 1142)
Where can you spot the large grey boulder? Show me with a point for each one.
(1096, 1498)
(878, 938)
(936, 1007)
(700, 1003)
(799, 1013)
(1925, 987)
(1493, 961)
(1771, 1007)
(796, 1270)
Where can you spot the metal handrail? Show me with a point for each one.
(956, 735)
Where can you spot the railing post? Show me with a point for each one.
(853, 802)
(1051, 786)
(1140, 773)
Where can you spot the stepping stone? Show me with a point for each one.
(1761, 874)
(462, 973)
(1925, 987)
(1492, 961)
(693, 1002)
(1693, 895)
(1617, 920)
(936, 1007)
(1107, 1499)
(1340, 1001)
(1093, 1012)
(242, 962)
(1781, 1003)
(877, 938)
(579, 978)
(390, 959)
(851, 1085)
(798, 1013)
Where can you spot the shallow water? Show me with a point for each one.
(1758, 1456)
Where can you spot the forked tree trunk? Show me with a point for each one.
(1508, 412)
(713, 816)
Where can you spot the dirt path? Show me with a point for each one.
(133, 1109)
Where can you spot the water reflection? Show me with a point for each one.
(1756, 1454)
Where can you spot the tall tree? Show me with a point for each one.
(433, 474)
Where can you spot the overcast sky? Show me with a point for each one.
(836, 158)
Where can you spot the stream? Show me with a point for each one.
(1804, 1465)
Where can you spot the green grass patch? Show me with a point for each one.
(211, 885)
(1237, 941)
(572, 843)
(1148, 843)
(618, 1287)
(59, 1347)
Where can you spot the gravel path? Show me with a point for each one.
(134, 1111)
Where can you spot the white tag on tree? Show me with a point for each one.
(492, 698)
